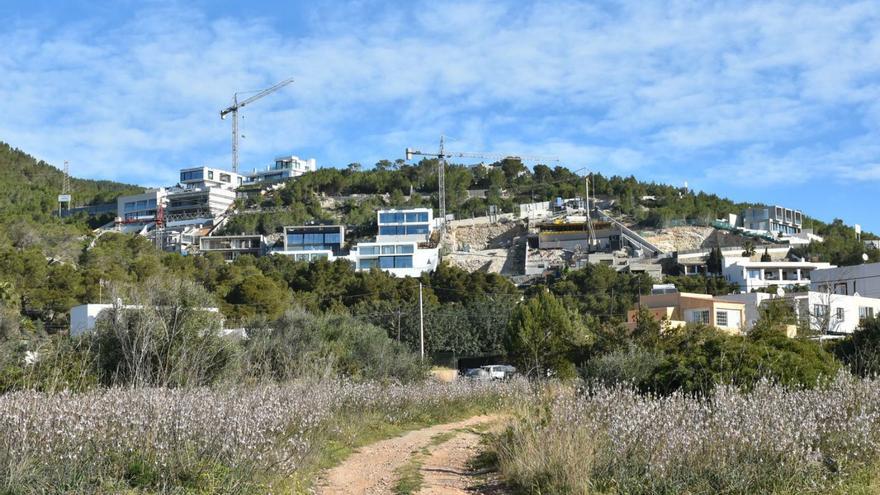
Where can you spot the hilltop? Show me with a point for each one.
(29, 187)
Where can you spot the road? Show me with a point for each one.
(440, 453)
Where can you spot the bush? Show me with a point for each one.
(633, 365)
(165, 336)
(303, 344)
(770, 440)
(861, 351)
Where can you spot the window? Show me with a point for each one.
(191, 175)
(755, 274)
(417, 229)
(369, 263)
(820, 309)
(225, 178)
(405, 249)
(721, 318)
(210, 175)
(386, 262)
(368, 250)
(130, 206)
(332, 238)
(403, 262)
(700, 316)
(417, 217)
(866, 313)
(387, 249)
(295, 239)
(841, 313)
(391, 218)
(841, 288)
(391, 230)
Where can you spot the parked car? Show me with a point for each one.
(499, 371)
(477, 374)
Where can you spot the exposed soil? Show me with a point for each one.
(444, 470)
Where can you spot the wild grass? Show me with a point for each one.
(770, 440)
(257, 439)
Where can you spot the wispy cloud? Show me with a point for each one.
(718, 93)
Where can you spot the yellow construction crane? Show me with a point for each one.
(234, 108)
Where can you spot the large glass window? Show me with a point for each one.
(386, 262)
(391, 230)
(403, 262)
(866, 312)
(391, 217)
(417, 229)
(387, 249)
(404, 249)
(191, 175)
(368, 250)
(332, 238)
(369, 263)
(225, 178)
(421, 216)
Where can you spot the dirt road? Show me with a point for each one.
(440, 453)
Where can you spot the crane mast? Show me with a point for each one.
(237, 105)
(442, 155)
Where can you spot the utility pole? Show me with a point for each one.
(591, 242)
(421, 323)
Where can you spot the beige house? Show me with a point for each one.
(676, 309)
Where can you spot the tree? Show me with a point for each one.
(766, 256)
(715, 262)
(748, 249)
(545, 336)
(258, 295)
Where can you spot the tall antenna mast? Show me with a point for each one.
(65, 197)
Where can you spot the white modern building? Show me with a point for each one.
(414, 224)
(204, 177)
(233, 246)
(758, 275)
(863, 280)
(135, 211)
(773, 219)
(313, 242)
(284, 168)
(401, 259)
(197, 204)
(824, 313)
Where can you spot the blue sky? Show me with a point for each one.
(776, 102)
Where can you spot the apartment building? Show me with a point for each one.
(312, 242)
(773, 219)
(204, 177)
(414, 224)
(759, 275)
(821, 312)
(284, 168)
(197, 203)
(233, 246)
(136, 210)
(676, 309)
(398, 258)
(863, 280)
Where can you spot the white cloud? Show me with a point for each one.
(762, 88)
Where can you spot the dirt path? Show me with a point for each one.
(371, 470)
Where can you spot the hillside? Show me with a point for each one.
(29, 187)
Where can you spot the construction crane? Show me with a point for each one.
(237, 105)
(442, 155)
